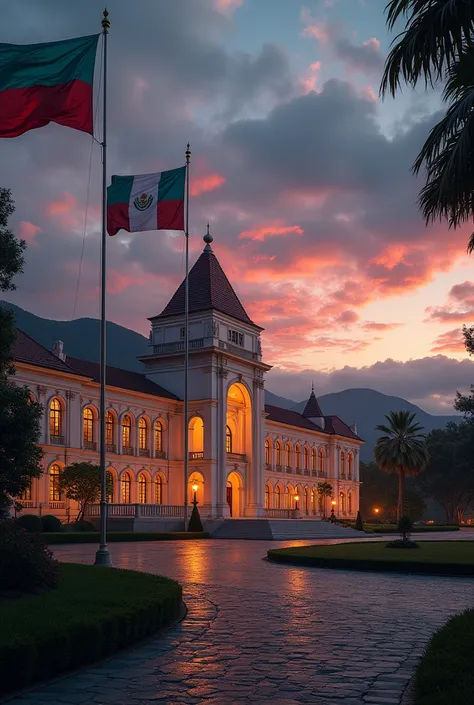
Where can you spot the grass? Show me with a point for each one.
(378, 528)
(93, 613)
(445, 675)
(113, 536)
(432, 557)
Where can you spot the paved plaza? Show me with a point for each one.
(262, 633)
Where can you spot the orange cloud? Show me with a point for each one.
(274, 229)
(373, 325)
(63, 205)
(460, 295)
(452, 341)
(203, 184)
(317, 30)
(310, 81)
(27, 231)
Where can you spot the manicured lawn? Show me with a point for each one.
(433, 557)
(445, 675)
(115, 536)
(93, 613)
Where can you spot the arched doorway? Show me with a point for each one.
(234, 491)
(237, 444)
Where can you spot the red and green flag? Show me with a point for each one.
(42, 83)
(146, 202)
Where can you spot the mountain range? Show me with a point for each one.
(365, 407)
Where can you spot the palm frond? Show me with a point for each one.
(403, 445)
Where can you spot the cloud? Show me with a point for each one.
(228, 6)
(203, 184)
(459, 307)
(310, 81)
(274, 229)
(450, 342)
(374, 326)
(366, 57)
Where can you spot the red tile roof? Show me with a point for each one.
(333, 424)
(209, 289)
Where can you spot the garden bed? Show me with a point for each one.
(431, 558)
(92, 614)
(445, 675)
(114, 536)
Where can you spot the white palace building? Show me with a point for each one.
(247, 459)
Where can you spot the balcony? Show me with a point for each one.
(160, 454)
(178, 346)
(288, 468)
(196, 455)
(110, 448)
(241, 457)
(57, 505)
(236, 350)
(279, 468)
(56, 440)
(127, 450)
(90, 445)
(144, 452)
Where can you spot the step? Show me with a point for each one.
(281, 529)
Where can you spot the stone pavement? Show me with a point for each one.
(258, 632)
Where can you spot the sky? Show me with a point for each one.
(302, 170)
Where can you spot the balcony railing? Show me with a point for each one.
(110, 448)
(279, 468)
(57, 505)
(178, 346)
(196, 455)
(27, 503)
(90, 445)
(236, 350)
(56, 440)
(137, 510)
(237, 456)
(160, 454)
(144, 452)
(288, 468)
(127, 450)
(280, 513)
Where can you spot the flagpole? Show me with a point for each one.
(102, 556)
(186, 345)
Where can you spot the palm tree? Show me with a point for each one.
(324, 490)
(437, 45)
(402, 449)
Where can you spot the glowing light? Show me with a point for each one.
(195, 488)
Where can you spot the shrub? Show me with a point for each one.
(26, 563)
(402, 543)
(50, 523)
(405, 526)
(195, 524)
(359, 525)
(79, 526)
(30, 522)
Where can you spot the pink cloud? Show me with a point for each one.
(459, 307)
(27, 231)
(374, 326)
(227, 6)
(452, 341)
(310, 81)
(203, 184)
(274, 229)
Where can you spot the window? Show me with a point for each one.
(142, 434)
(267, 497)
(343, 463)
(298, 457)
(235, 337)
(278, 454)
(55, 418)
(287, 498)
(54, 475)
(306, 500)
(109, 428)
(126, 489)
(321, 462)
(88, 426)
(158, 490)
(314, 459)
(26, 495)
(228, 440)
(288, 455)
(267, 452)
(126, 431)
(351, 465)
(306, 458)
(277, 497)
(110, 484)
(142, 488)
(343, 502)
(349, 502)
(158, 437)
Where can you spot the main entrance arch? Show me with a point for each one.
(238, 448)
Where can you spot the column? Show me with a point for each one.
(255, 495)
(222, 508)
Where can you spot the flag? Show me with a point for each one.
(146, 202)
(42, 83)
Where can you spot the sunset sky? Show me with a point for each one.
(301, 169)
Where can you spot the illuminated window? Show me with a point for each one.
(142, 487)
(158, 438)
(126, 486)
(278, 453)
(287, 498)
(110, 487)
(288, 455)
(88, 426)
(126, 431)
(349, 502)
(298, 457)
(321, 461)
(158, 490)
(343, 502)
(306, 458)
(109, 428)
(343, 463)
(306, 500)
(54, 475)
(26, 495)
(142, 434)
(267, 497)
(267, 452)
(228, 440)
(55, 418)
(314, 459)
(277, 497)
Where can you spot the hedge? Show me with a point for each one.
(92, 614)
(113, 536)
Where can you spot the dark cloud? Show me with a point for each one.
(366, 57)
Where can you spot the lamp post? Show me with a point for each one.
(297, 499)
(195, 489)
(333, 504)
(376, 512)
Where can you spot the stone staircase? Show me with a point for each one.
(280, 529)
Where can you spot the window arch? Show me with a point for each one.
(298, 457)
(87, 426)
(288, 455)
(142, 435)
(322, 468)
(267, 497)
(278, 497)
(350, 465)
(142, 488)
(278, 454)
(126, 488)
(158, 490)
(109, 431)
(56, 421)
(196, 437)
(314, 459)
(54, 477)
(343, 463)
(342, 497)
(127, 433)
(158, 431)
(268, 461)
(306, 458)
(228, 440)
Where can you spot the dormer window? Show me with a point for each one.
(235, 337)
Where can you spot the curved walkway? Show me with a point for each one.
(262, 633)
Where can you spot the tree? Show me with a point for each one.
(401, 450)
(465, 403)
(81, 482)
(436, 45)
(449, 475)
(20, 455)
(324, 490)
(379, 490)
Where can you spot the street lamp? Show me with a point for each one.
(195, 489)
(297, 499)
(333, 504)
(376, 512)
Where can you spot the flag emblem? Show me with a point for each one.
(143, 201)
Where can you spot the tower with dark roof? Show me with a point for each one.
(312, 410)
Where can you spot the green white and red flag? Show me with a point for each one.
(42, 83)
(146, 202)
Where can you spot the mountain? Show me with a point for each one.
(366, 407)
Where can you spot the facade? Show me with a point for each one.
(246, 458)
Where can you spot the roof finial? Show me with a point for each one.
(208, 239)
(312, 387)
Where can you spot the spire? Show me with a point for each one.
(208, 239)
(312, 409)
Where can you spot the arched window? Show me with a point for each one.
(267, 452)
(142, 488)
(306, 500)
(109, 431)
(314, 459)
(321, 462)
(126, 434)
(228, 440)
(126, 486)
(267, 497)
(342, 497)
(110, 485)
(88, 426)
(349, 502)
(54, 475)
(55, 421)
(343, 464)
(278, 454)
(306, 458)
(298, 457)
(158, 490)
(350, 463)
(288, 455)
(196, 437)
(287, 498)
(277, 497)
(142, 434)
(158, 439)
(26, 495)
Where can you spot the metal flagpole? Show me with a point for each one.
(102, 556)
(186, 345)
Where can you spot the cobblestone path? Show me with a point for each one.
(262, 633)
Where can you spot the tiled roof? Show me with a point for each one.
(115, 377)
(209, 288)
(333, 424)
(27, 350)
(312, 409)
